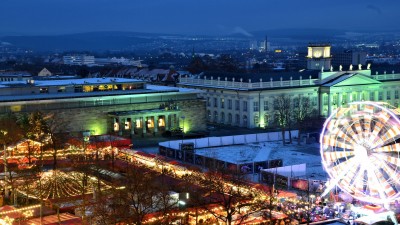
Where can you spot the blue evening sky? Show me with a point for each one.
(194, 16)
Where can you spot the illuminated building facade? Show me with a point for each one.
(107, 105)
(250, 102)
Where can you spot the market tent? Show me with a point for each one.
(65, 219)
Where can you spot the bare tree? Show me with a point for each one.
(9, 134)
(57, 138)
(283, 113)
(224, 189)
(301, 112)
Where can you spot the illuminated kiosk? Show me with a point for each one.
(360, 152)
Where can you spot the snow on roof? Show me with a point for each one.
(291, 154)
(169, 88)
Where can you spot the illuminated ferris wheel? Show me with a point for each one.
(360, 149)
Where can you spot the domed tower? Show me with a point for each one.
(319, 56)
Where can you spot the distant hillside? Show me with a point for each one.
(84, 41)
(128, 41)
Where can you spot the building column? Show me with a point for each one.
(166, 122)
(121, 126)
(329, 104)
(340, 100)
(359, 96)
(144, 124)
(321, 104)
(133, 125)
(155, 124)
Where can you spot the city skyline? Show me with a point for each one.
(207, 17)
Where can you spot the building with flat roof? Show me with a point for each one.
(107, 105)
(79, 60)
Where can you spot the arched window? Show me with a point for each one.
(215, 117)
(222, 117)
(237, 119)
(209, 115)
(230, 118)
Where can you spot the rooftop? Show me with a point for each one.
(66, 82)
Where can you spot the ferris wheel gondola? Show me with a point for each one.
(360, 150)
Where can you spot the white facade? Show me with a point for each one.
(251, 104)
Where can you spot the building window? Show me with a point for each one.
(150, 122)
(266, 105)
(372, 96)
(237, 105)
(78, 89)
(222, 103)
(215, 102)
(266, 120)
(380, 96)
(255, 106)
(138, 123)
(245, 106)
(229, 118)
(61, 89)
(209, 115)
(222, 117)
(256, 122)
(388, 95)
(335, 97)
(344, 99)
(325, 99)
(396, 94)
(354, 97)
(237, 119)
(229, 103)
(215, 116)
(208, 101)
(244, 120)
(315, 101)
(44, 90)
(116, 126)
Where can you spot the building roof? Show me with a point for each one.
(351, 79)
(255, 77)
(67, 82)
(15, 74)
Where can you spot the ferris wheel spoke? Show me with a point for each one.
(345, 137)
(383, 116)
(390, 135)
(332, 142)
(392, 173)
(389, 159)
(383, 181)
(343, 167)
(375, 181)
(338, 156)
(375, 132)
(393, 148)
(351, 176)
(367, 125)
(357, 126)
